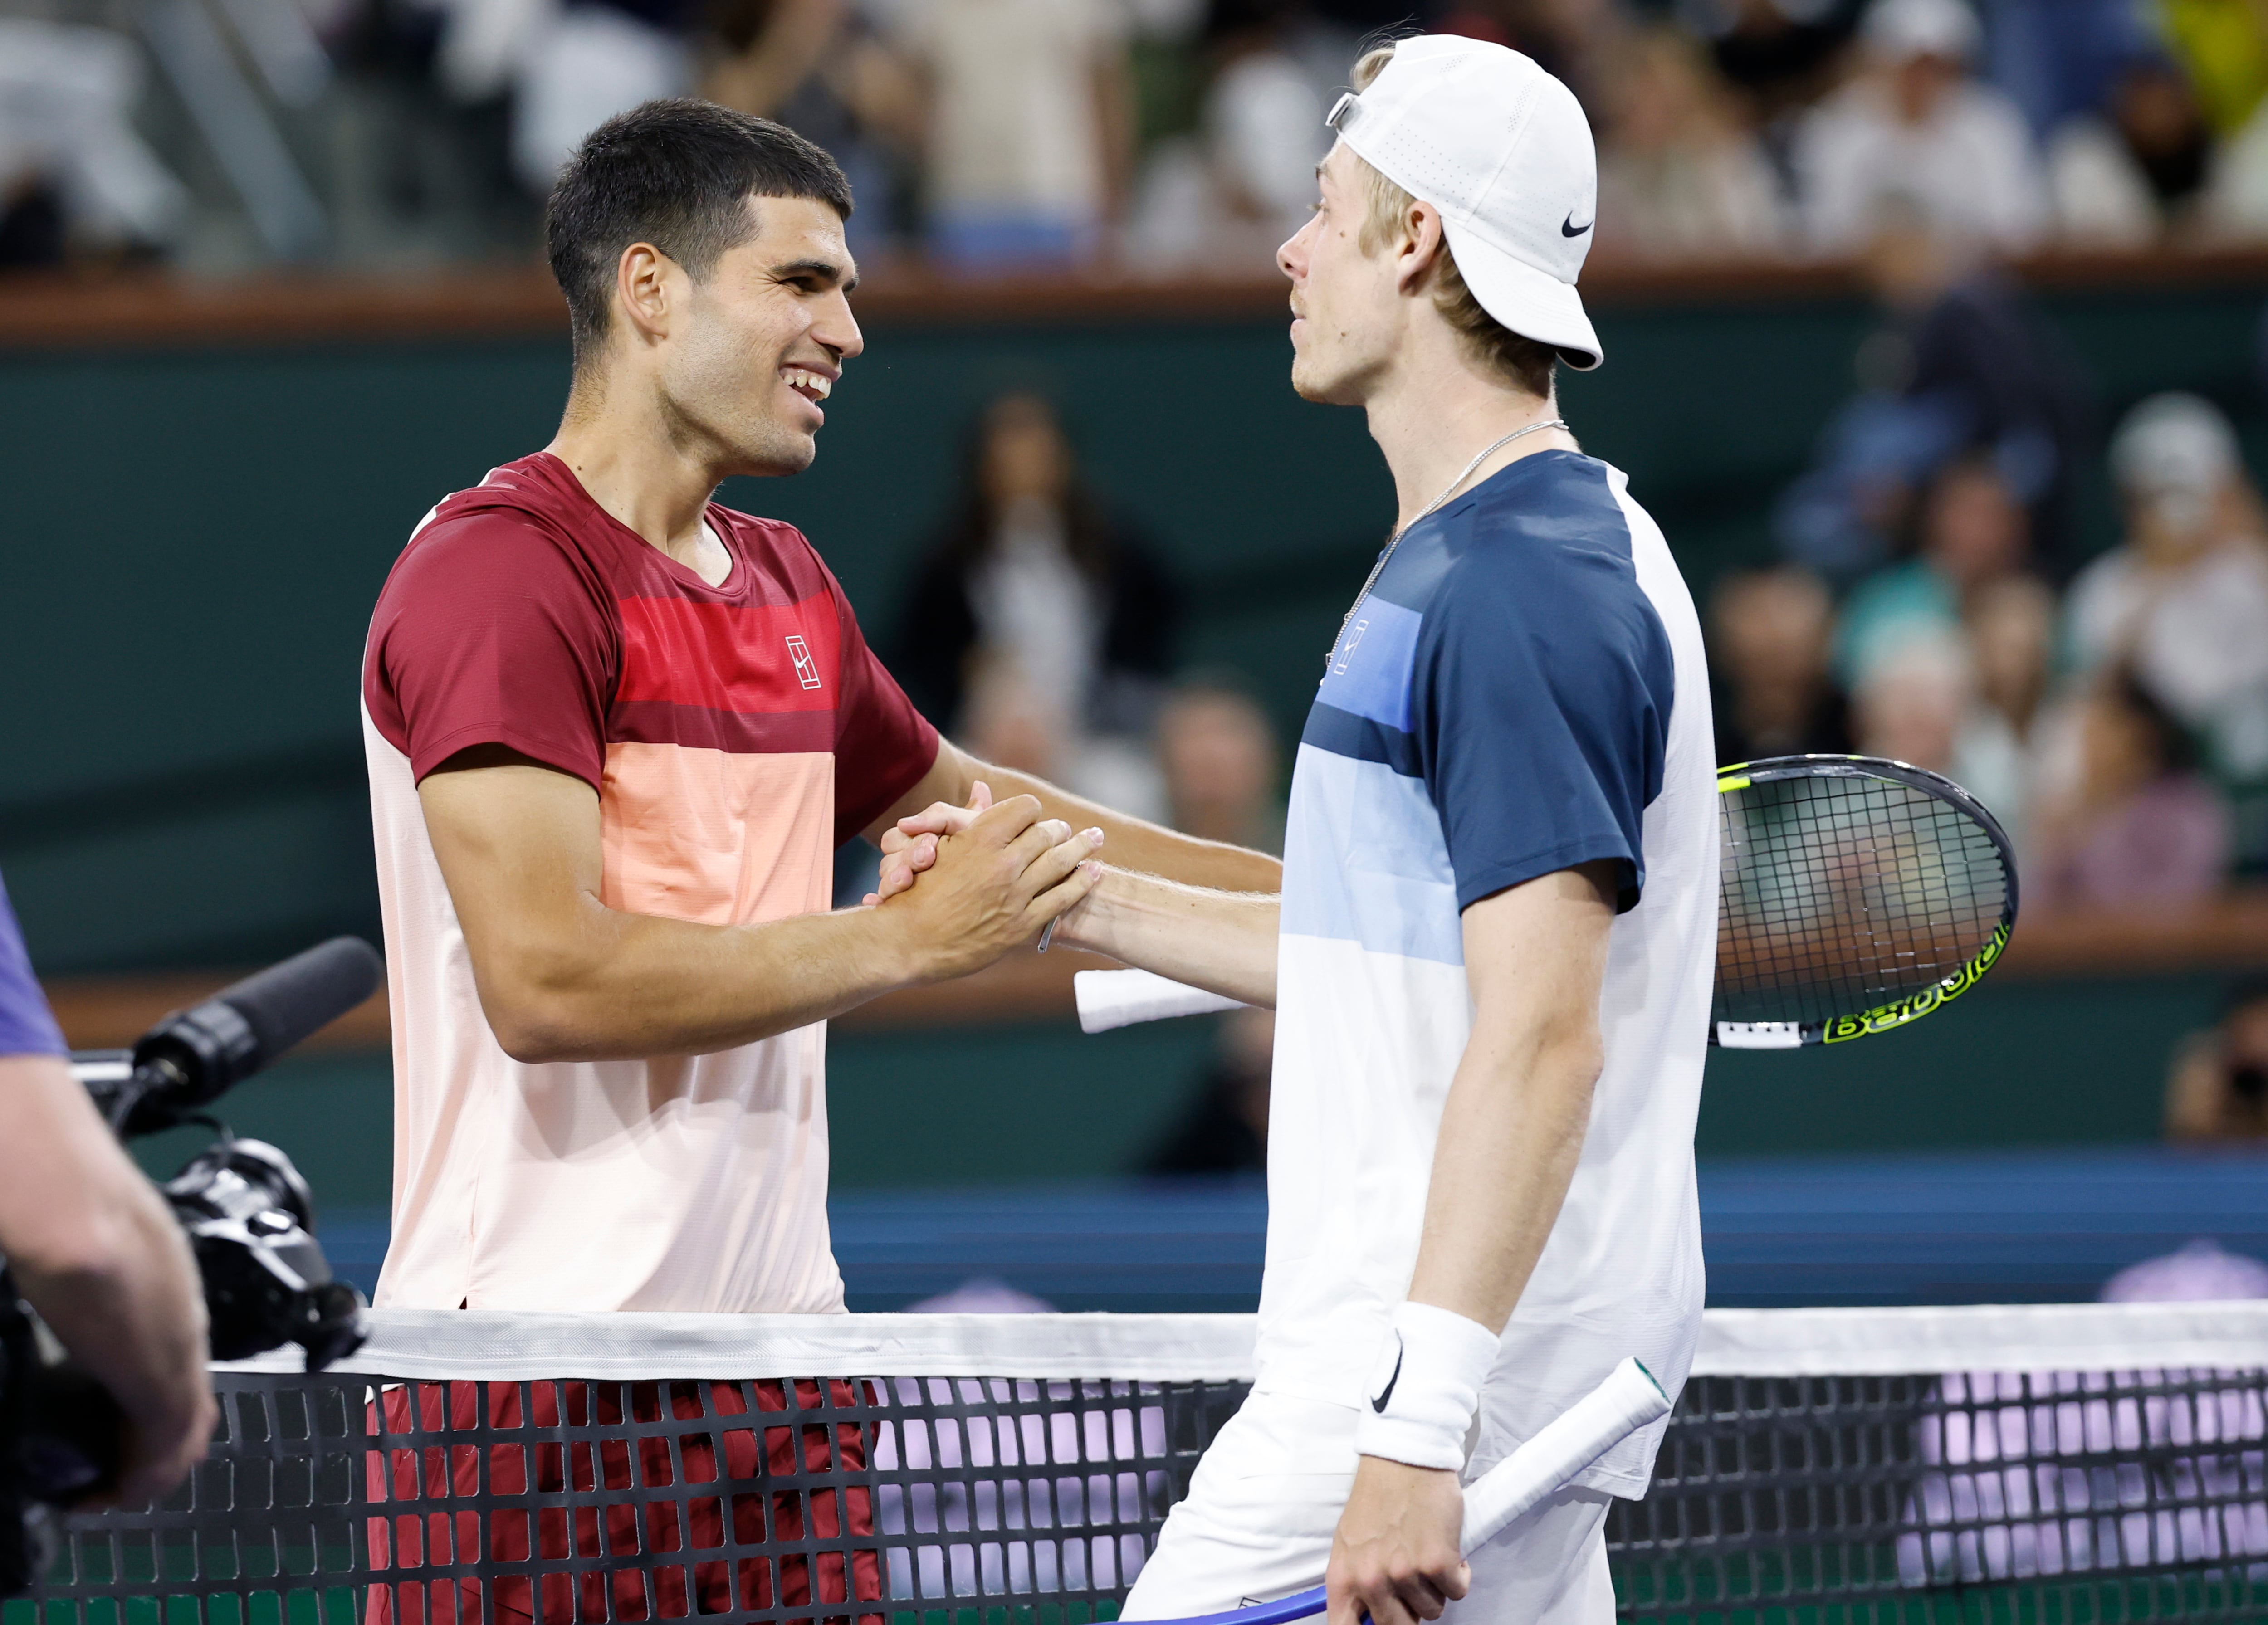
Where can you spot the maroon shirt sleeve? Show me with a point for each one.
(488, 633)
(882, 745)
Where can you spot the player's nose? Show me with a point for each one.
(1291, 252)
(838, 329)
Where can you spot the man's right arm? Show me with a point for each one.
(92, 1249)
(562, 976)
(1223, 942)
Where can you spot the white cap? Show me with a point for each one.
(1502, 150)
(1904, 29)
(2174, 442)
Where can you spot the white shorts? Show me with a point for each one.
(1265, 1501)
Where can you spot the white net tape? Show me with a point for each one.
(512, 1346)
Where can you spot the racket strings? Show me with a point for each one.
(1844, 893)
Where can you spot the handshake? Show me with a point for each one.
(969, 883)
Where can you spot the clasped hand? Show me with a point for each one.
(991, 877)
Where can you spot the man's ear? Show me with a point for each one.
(1421, 248)
(643, 289)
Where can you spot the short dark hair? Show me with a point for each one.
(678, 175)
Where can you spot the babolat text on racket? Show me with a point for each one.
(1570, 1442)
(1858, 895)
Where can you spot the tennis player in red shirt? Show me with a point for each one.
(615, 734)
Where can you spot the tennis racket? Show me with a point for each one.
(1856, 895)
(1628, 1400)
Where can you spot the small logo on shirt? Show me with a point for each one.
(806, 669)
(1352, 643)
(1379, 1402)
(1568, 228)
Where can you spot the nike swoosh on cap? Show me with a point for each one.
(1568, 228)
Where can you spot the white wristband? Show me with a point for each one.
(1426, 1387)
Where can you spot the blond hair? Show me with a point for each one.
(1517, 360)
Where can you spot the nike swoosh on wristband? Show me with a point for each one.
(1379, 1404)
(1568, 228)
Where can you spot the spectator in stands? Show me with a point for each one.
(567, 68)
(1680, 173)
(1913, 703)
(2140, 826)
(1578, 42)
(819, 67)
(1264, 118)
(1767, 638)
(2185, 600)
(1225, 197)
(1778, 56)
(1972, 532)
(2011, 635)
(75, 176)
(1915, 125)
(2234, 205)
(812, 64)
(2222, 45)
(1031, 587)
(1223, 1127)
(1221, 765)
(1961, 364)
(1030, 121)
(2218, 1089)
(2127, 174)
(2058, 59)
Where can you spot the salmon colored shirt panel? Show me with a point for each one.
(735, 736)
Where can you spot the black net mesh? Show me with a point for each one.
(1842, 894)
(2044, 1496)
(326, 1501)
(2047, 1497)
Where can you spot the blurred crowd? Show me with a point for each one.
(1161, 135)
(2114, 719)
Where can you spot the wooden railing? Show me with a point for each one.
(39, 312)
(98, 1012)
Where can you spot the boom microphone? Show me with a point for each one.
(195, 1055)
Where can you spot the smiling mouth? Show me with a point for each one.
(813, 386)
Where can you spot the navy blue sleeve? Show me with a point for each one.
(1545, 686)
(28, 1027)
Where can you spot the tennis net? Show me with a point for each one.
(2060, 1463)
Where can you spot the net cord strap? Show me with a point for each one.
(504, 1346)
(516, 1346)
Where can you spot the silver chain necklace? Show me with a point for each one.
(1394, 541)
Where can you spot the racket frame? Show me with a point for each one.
(1911, 1007)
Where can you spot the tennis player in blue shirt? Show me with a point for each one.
(1492, 955)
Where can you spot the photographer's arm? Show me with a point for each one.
(563, 976)
(94, 1251)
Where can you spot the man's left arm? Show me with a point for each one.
(1512, 1132)
(1127, 842)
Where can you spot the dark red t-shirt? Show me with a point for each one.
(735, 734)
(524, 614)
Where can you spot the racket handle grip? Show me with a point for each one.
(1628, 1400)
(1118, 998)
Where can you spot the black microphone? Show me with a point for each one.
(196, 1056)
